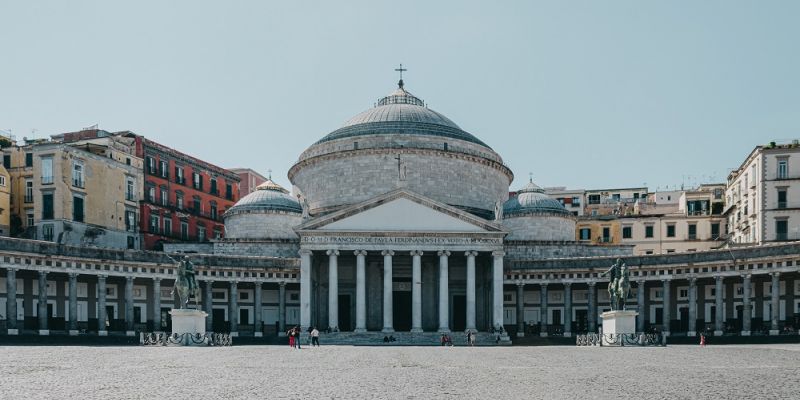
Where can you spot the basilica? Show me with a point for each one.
(400, 221)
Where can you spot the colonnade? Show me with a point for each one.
(416, 289)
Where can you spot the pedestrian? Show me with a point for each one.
(702, 340)
(315, 337)
(290, 334)
(297, 337)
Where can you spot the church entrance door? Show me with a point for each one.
(459, 313)
(401, 300)
(344, 313)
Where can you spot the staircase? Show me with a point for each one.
(405, 339)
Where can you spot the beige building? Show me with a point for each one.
(613, 201)
(574, 200)
(682, 221)
(84, 193)
(5, 202)
(763, 195)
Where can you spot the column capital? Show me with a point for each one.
(387, 253)
(520, 284)
(747, 276)
(591, 283)
(718, 277)
(544, 284)
(417, 253)
(282, 283)
(234, 283)
(443, 253)
(666, 279)
(775, 274)
(498, 253)
(360, 253)
(156, 279)
(102, 277)
(304, 252)
(42, 273)
(567, 283)
(332, 252)
(129, 278)
(73, 275)
(471, 253)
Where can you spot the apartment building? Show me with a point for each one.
(763, 195)
(573, 200)
(248, 180)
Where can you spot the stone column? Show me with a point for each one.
(720, 315)
(129, 306)
(305, 289)
(416, 292)
(746, 305)
(567, 309)
(640, 293)
(775, 314)
(444, 297)
(471, 289)
(258, 330)
(667, 315)
(592, 298)
(11, 301)
(157, 304)
(520, 309)
(281, 308)
(208, 304)
(43, 304)
(497, 288)
(543, 310)
(692, 307)
(233, 312)
(361, 290)
(102, 315)
(333, 289)
(73, 304)
(388, 306)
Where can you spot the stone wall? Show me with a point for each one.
(262, 225)
(537, 250)
(270, 248)
(540, 227)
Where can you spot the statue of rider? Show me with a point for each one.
(189, 274)
(613, 274)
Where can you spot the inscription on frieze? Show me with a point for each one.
(453, 241)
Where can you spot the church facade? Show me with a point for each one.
(398, 221)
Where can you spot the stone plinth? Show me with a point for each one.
(188, 321)
(618, 322)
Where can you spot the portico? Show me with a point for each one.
(430, 267)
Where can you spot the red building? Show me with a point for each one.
(184, 197)
(248, 180)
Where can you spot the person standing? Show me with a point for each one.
(315, 337)
(297, 335)
(290, 334)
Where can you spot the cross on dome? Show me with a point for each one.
(400, 70)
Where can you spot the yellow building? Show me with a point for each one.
(84, 194)
(5, 202)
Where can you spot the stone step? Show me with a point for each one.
(404, 339)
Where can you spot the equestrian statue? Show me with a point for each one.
(619, 284)
(185, 283)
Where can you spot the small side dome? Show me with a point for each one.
(532, 215)
(268, 196)
(268, 213)
(532, 199)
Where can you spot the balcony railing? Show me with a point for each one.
(28, 198)
(130, 197)
(691, 236)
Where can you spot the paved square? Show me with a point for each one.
(271, 372)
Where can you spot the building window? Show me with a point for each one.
(783, 169)
(47, 170)
(151, 194)
(213, 211)
(47, 232)
(164, 197)
(627, 232)
(47, 206)
(28, 191)
(671, 230)
(151, 165)
(179, 176)
(594, 199)
(130, 189)
(196, 205)
(29, 220)
(781, 229)
(576, 201)
(606, 235)
(28, 159)
(692, 231)
(130, 220)
(167, 226)
(154, 223)
(184, 230)
(648, 231)
(217, 233)
(77, 209)
(715, 231)
(586, 234)
(77, 174)
(214, 186)
(131, 243)
(648, 252)
(197, 181)
(164, 169)
(201, 234)
(7, 161)
(179, 201)
(781, 198)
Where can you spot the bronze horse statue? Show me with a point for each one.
(185, 283)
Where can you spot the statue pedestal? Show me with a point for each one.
(618, 322)
(188, 321)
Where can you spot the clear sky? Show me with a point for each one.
(580, 94)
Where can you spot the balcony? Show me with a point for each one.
(605, 239)
(130, 197)
(28, 198)
(77, 182)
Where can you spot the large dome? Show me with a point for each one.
(401, 143)
(532, 199)
(533, 215)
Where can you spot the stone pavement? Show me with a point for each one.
(762, 371)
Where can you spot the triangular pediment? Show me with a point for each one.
(400, 211)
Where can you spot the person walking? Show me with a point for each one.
(315, 337)
(702, 340)
(297, 337)
(290, 334)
